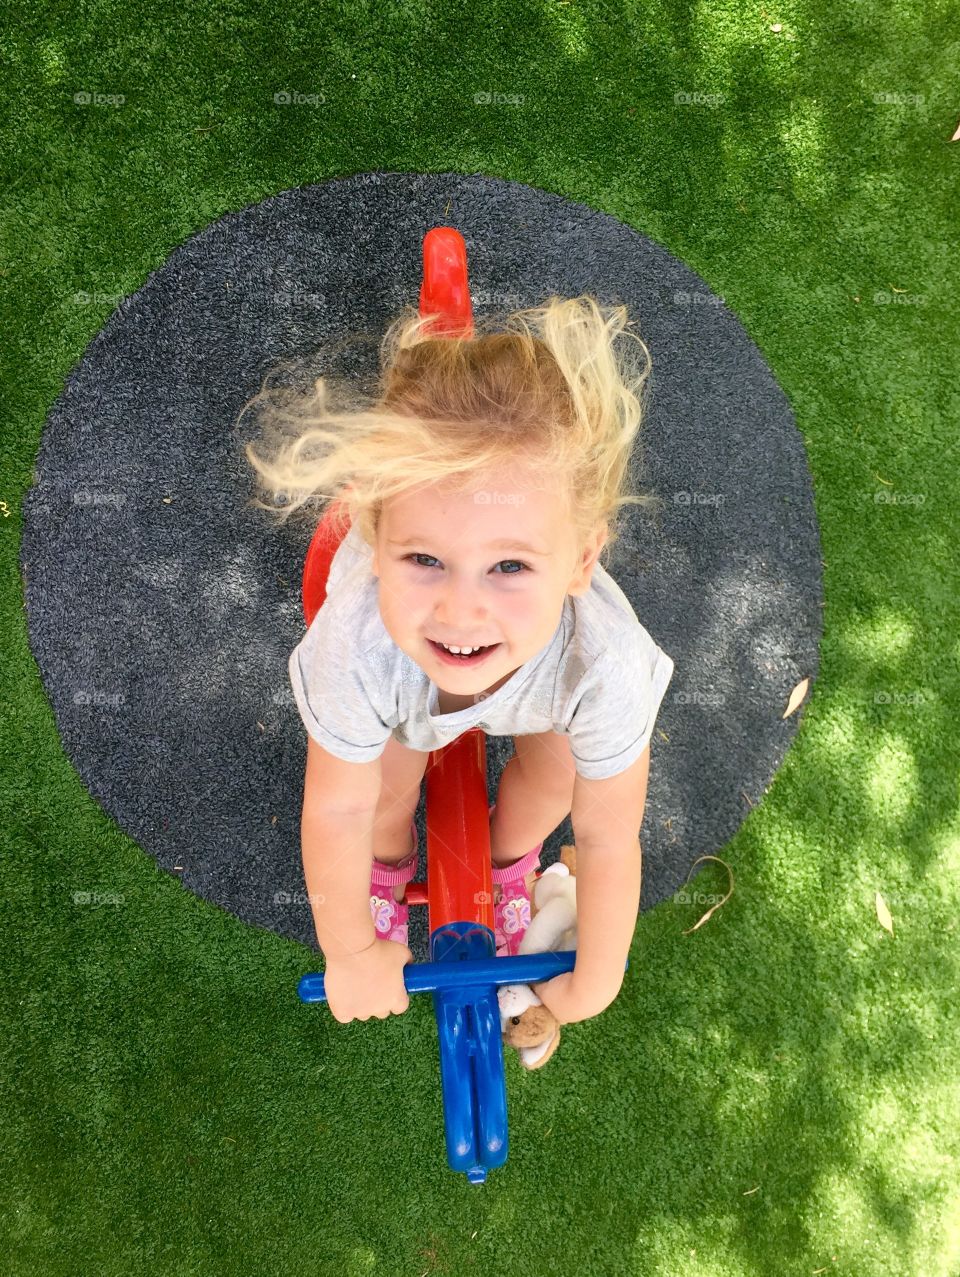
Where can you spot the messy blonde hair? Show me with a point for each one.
(543, 387)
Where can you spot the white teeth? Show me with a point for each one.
(460, 651)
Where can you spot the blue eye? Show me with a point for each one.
(523, 566)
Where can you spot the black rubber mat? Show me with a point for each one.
(162, 606)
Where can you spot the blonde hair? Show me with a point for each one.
(542, 387)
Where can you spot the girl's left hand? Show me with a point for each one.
(563, 997)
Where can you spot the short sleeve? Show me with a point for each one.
(617, 702)
(332, 690)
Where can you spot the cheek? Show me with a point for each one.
(518, 608)
(400, 598)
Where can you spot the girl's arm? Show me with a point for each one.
(336, 834)
(606, 817)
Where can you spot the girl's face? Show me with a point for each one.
(488, 567)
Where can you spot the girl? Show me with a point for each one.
(482, 485)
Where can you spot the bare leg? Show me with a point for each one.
(402, 773)
(527, 813)
(393, 840)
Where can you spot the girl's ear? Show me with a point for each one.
(584, 569)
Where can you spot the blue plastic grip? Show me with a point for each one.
(428, 977)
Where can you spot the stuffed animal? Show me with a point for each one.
(526, 1023)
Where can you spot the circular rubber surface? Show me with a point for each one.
(162, 607)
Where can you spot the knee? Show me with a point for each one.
(551, 779)
(395, 810)
(401, 773)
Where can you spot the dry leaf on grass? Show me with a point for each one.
(723, 901)
(883, 913)
(796, 696)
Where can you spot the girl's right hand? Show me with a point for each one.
(369, 983)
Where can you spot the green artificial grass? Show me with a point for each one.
(773, 1093)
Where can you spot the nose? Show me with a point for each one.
(458, 607)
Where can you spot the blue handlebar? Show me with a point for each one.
(432, 977)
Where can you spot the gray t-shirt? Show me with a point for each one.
(599, 680)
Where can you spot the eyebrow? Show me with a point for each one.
(504, 544)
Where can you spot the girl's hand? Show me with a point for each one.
(568, 1001)
(369, 983)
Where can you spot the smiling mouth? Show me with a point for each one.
(454, 658)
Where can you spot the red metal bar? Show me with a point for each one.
(446, 287)
(459, 884)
